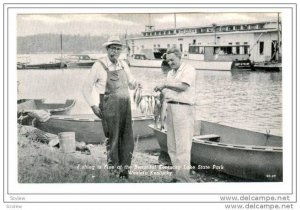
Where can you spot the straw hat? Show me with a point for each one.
(113, 40)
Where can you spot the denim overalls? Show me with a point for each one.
(117, 120)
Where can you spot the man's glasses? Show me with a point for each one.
(116, 49)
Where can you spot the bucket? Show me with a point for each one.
(67, 142)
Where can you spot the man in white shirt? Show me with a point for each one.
(179, 92)
(110, 77)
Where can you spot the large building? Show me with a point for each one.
(260, 40)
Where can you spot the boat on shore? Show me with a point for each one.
(55, 108)
(28, 108)
(88, 128)
(237, 152)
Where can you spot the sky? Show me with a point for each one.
(116, 24)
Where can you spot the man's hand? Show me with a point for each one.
(159, 88)
(97, 111)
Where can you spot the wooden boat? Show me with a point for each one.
(237, 152)
(88, 128)
(27, 105)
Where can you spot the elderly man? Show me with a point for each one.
(110, 77)
(179, 92)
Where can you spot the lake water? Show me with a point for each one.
(248, 100)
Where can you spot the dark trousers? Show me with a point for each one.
(117, 126)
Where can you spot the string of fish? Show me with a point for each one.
(145, 102)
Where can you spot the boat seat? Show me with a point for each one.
(208, 137)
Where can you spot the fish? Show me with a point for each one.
(160, 111)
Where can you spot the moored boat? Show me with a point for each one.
(218, 57)
(55, 65)
(237, 152)
(268, 67)
(77, 61)
(88, 128)
(141, 60)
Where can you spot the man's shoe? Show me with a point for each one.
(174, 180)
(124, 175)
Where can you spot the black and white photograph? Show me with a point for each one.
(129, 97)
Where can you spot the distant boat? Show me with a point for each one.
(88, 128)
(56, 65)
(202, 57)
(268, 67)
(77, 61)
(237, 152)
(141, 60)
(217, 57)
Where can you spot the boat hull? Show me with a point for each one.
(88, 128)
(80, 64)
(42, 66)
(27, 105)
(210, 65)
(245, 160)
(268, 67)
(145, 63)
(199, 65)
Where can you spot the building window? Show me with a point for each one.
(194, 41)
(246, 49)
(142, 46)
(158, 45)
(230, 43)
(168, 45)
(261, 48)
(237, 50)
(260, 26)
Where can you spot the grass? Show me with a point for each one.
(40, 163)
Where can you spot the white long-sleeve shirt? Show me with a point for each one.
(97, 78)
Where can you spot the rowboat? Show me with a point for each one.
(237, 152)
(28, 105)
(88, 128)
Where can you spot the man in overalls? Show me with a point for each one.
(110, 77)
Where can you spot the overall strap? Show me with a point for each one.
(104, 66)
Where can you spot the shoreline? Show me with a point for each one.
(41, 163)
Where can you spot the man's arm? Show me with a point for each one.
(172, 85)
(93, 83)
(132, 81)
